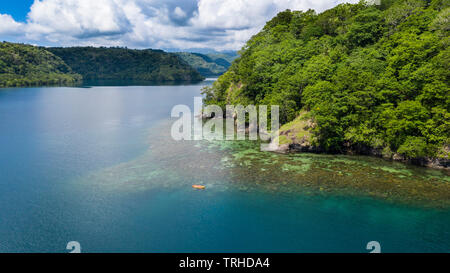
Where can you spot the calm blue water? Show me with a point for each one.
(94, 165)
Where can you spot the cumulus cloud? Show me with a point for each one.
(76, 19)
(179, 13)
(218, 24)
(8, 26)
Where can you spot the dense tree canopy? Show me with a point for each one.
(126, 64)
(374, 76)
(25, 65)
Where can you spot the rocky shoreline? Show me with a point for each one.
(299, 141)
(305, 147)
(296, 137)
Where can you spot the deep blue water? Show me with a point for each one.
(83, 164)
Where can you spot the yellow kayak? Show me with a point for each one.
(199, 187)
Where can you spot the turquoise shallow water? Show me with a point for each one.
(96, 165)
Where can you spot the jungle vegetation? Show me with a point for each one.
(372, 76)
(26, 65)
(117, 63)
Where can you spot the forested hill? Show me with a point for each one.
(364, 77)
(26, 65)
(209, 65)
(127, 64)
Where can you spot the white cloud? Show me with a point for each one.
(56, 19)
(179, 13)
(8, 26)
(229, 14)
(219, 24)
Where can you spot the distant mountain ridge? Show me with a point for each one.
(203, 51)
(211, 64)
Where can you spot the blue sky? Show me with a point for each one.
(18, 9)
(164, 24)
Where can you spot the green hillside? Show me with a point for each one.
(26, 65)
(209, 65)
(364, 77)
(127, 64)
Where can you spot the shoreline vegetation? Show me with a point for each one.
(27, 65)
(356, 79)
(24, 65)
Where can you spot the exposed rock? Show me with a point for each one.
(398, 157)
(437, 163)
(304, 148)
(203, 115)
(273, 147)
(296, 137)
